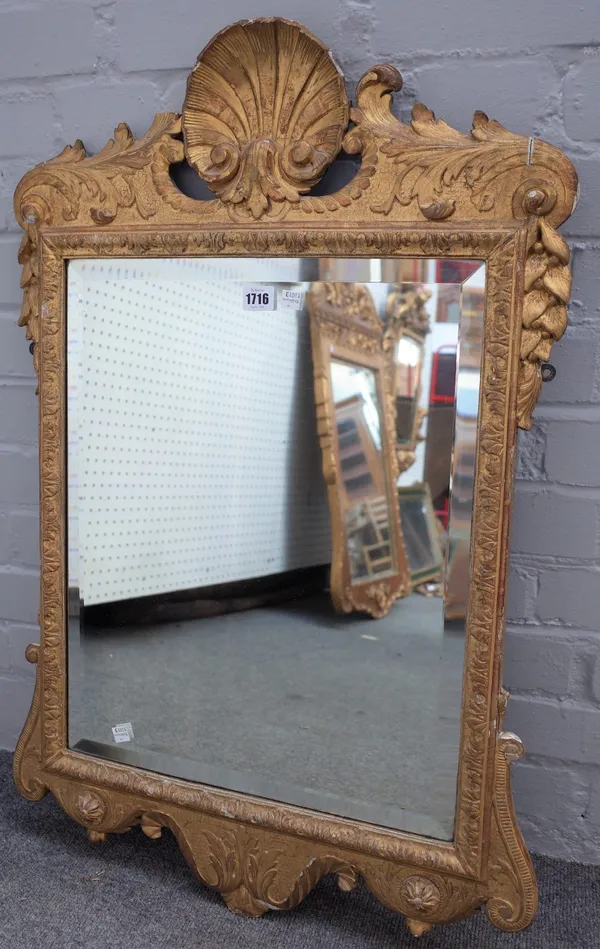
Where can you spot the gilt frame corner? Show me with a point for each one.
(422, 189)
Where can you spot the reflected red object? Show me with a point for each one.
(443, 376)
(442, 510)
(455, 271)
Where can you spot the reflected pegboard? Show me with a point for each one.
(193, 453)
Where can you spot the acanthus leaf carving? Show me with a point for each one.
(30, 307)
(106, 181)
(490, 172)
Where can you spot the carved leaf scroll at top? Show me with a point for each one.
(491, 172)
(264, 114)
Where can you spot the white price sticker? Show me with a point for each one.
(123, 732)
(258, 297)
(291, 299)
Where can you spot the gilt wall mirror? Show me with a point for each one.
(231, 643)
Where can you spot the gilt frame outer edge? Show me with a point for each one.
(413, 179)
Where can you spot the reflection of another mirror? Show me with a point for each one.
(421, 533)
(445, 457)
(200, 543)
(408, 373)
(364, 503)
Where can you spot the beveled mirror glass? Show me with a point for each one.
(235, 642)
(200, 543)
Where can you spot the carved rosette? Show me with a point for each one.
(264, 115)
(421, 894)
(90, 808)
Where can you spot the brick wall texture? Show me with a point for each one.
(75, 68)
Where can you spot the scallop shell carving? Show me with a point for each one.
(265, 113)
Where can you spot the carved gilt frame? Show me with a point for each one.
(344, 325)
(265, 112)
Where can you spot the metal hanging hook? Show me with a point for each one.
(548, 372)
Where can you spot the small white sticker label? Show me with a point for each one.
(123, 732)
(258, 297)
(291, 299)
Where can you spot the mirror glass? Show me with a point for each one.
(409, 355)
(363, 478)
(420, 532)
(202, 639)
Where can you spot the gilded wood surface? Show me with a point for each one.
(422, 189)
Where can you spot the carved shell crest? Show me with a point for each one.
(264, 114)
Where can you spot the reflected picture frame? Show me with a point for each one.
(427, 526)
(345, 327)
(502, 205)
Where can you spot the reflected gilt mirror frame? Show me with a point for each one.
(345, 327)
(429, 573)
(422, 189)
(406, 316)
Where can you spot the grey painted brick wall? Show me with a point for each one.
(75, 68)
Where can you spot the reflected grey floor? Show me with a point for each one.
(339, 713)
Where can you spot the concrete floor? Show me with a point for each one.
(343, 714)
